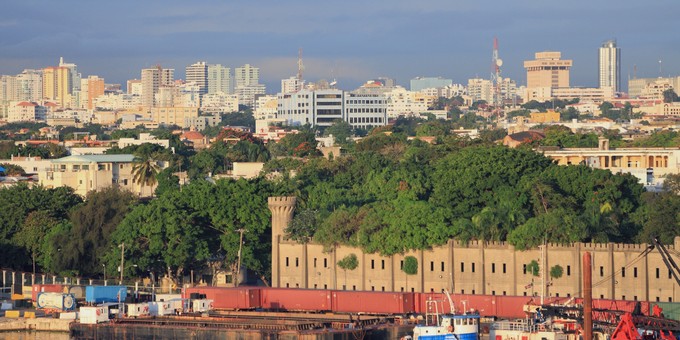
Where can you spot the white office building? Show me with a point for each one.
(325, 107)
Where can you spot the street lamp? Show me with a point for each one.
(104, 265)
(238, 267)
(122, 261)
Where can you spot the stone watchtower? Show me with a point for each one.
(282, 208)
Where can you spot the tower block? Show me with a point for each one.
(282, 208)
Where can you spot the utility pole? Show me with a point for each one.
(122, 261)
(238, 266)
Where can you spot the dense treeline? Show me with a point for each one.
(387, 195)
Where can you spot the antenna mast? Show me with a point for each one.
(496, 64)
(301, 67)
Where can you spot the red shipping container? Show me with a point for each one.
(485, 305)
(295, 299)
(40, 288)
(240, 298)
(345, 301)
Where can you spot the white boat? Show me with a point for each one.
(450, 326)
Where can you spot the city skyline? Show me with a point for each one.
(350, 41)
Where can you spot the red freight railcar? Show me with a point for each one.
(241, 298)
(42, 288)
(295, 299)
(346, 301)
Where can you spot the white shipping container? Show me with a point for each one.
(137, 309)
(94, 315)
(201, 306)
(160, 308)
(68, 316)
(179, 305)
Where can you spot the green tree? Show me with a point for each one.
(349, 262)
(92, 224)
(533, 268)
(144, 171)
(303, 226)
(410, 267)
(32, 233)
(12, 170)
(670, 96)
(340, 130)
(556, 271)
(162, 236)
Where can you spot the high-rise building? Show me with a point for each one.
(219, 79)
(152, 79)
(57, 85)
(547, 70)
(291, 85)
(197, 73)
(29, 85)
(74, 80)
(91, 89)
(610, 65)
(246, 75)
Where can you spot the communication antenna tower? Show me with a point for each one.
(301, 67)
(496, 64)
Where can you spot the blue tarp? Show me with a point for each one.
(2, 169)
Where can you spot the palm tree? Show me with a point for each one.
(144, 171)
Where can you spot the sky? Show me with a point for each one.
(349, 40)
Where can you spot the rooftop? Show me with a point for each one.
(96, 159)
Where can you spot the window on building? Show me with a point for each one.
(634, 271)
(315, 262)
(462, 267)
(354, 287)
(623, 272)
(493, 270)
(442, 265)
(503, 270)
(657, 275)
(297, 262)
(431, 266)
(372, 264)
(601, 271)
(473, 292)
(473, 267)
(286, 261)
(524, 269)
(568, 270)
(401, 266)
(325, 263)
(383, 264)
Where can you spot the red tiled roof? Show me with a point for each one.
(27, 104)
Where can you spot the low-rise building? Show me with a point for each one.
(649, 165)
(87, 173)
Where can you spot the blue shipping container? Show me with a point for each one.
(102, 294)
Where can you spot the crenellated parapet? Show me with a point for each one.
(282, 208)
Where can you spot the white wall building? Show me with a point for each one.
(324, 107)
(403, 102)
(26, 112)
(220, 102)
